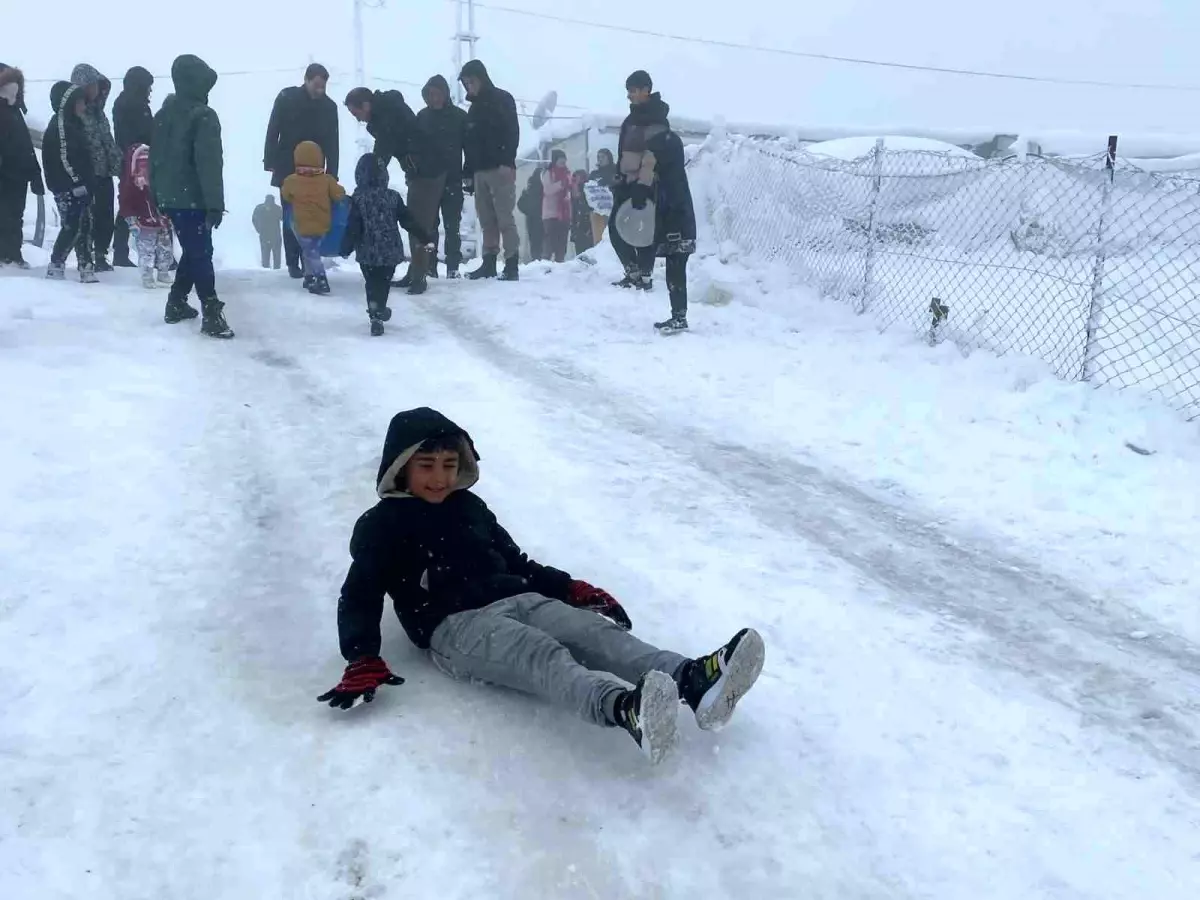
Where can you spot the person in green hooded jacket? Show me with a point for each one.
(186, 162)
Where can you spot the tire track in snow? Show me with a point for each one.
(1041, 626)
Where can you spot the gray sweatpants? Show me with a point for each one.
(495, 204)
(544, 647)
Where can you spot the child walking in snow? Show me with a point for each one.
(373, 236)
(485, 611)
(154, 240)
(67, 164)
(311, 193)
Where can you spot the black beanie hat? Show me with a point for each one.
(639, 79)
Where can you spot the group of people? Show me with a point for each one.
(169, 167)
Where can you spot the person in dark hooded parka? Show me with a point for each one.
(19, 169)
(446, 126)
(106, 159)
(133, 124)
(67, 163)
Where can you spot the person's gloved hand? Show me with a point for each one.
(81, 191)
(359, 683)
(585, 596)
(639, 194)
(213, 217)
(468, 185)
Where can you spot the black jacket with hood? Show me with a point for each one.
(106, 158)
(445, 129)
(18, 159)
(398, 136)
(297, 117)
(133, 122)
(650, 152)
(375, 211)
(493, 132)
(66, 157)
(432, 559)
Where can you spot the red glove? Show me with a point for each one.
(359, 683)
(586, 596)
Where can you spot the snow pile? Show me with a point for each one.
(854, 148)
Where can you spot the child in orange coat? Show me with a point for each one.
(311, 193)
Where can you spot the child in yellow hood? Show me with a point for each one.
(311, 193)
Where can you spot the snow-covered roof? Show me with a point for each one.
(852, 148)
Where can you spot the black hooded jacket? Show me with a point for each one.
(18, 159)
(375, 211)
(675, 220)
(445, 129)
(133, 123)
(66, 156)
(398, 136)
(493, 132)
(432, 559)
(297, 117)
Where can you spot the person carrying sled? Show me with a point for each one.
(19, 169)
(67, 164)
(311, 192)
(485, 611)
(268, 222)
(373, 237)
(153, 230)
(651, 167)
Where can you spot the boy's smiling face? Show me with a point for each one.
(432, 476)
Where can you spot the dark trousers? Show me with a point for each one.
(196, 262)
(12, 211)
(424, 201)
(677, 283)
(270, 247)
(379, 282)
(451, 220)
(537, 236)
(120, 240)
(103, 213)
(75, 231)
(557, 231)
(291, 247)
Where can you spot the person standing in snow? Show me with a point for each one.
(373, 237)
(67, 163)
(399, 136)
(651, 167)
(530, 206)
(106, 159)
(556, 206)
(189, 188)
(304, 113)
(446, 126)
(268, 222)
(136, 205)
(605, 175)
(581, 222)
(133, 124)
(19, 169)
(490, 169)
(486, 612)
(311, 191)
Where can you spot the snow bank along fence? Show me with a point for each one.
(1092, 264)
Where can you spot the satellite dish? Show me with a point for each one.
(541, 115)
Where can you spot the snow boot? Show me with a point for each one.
(149, 282)
(19, 262)
(56, 272)
(165, 277)
(319, 285)
(650, 714)
(87, 275)
(178, 309)
(102, 264)
(213, 324)
(712, 685)
(487, 268)
(451, 272)
(376, 327)
(512, 269)
(295, 272)
(307, 283)
(629, 281)
(405, 281)
(673, 325)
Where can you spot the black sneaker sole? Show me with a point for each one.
(742, 669)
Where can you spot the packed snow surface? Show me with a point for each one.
(979, 603)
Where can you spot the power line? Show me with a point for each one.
(829, 57)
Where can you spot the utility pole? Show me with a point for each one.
(461, 37)
(360, 65)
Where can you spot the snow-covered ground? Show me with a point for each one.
(980, 604)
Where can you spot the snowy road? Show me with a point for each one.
(939, 718)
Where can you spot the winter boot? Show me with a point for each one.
(407, 280)
(165, 277)
(378, 315)
(295, 272)
(178, 309)
(87, 275)
(56, 271)
(512, 269)
(451, 271)
(307, 283)
(487, 268)
(673, 325)
(102, 264)
(213, 324)
(432, 272)
(629, 281)
(376, 327)
(319, 285)
(650, 713)
(148, 280)
(19, 262)
(712, 685)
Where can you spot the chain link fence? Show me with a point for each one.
(1092, 266)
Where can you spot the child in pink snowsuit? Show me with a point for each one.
(154, 238)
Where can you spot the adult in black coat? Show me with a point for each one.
(301, 113)
(19, 169)
(446, 128)
(133, 123)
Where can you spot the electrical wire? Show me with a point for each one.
(830, 57)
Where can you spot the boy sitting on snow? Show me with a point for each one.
(463, 589)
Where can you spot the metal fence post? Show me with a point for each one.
(869, 267)
(1095, 317)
